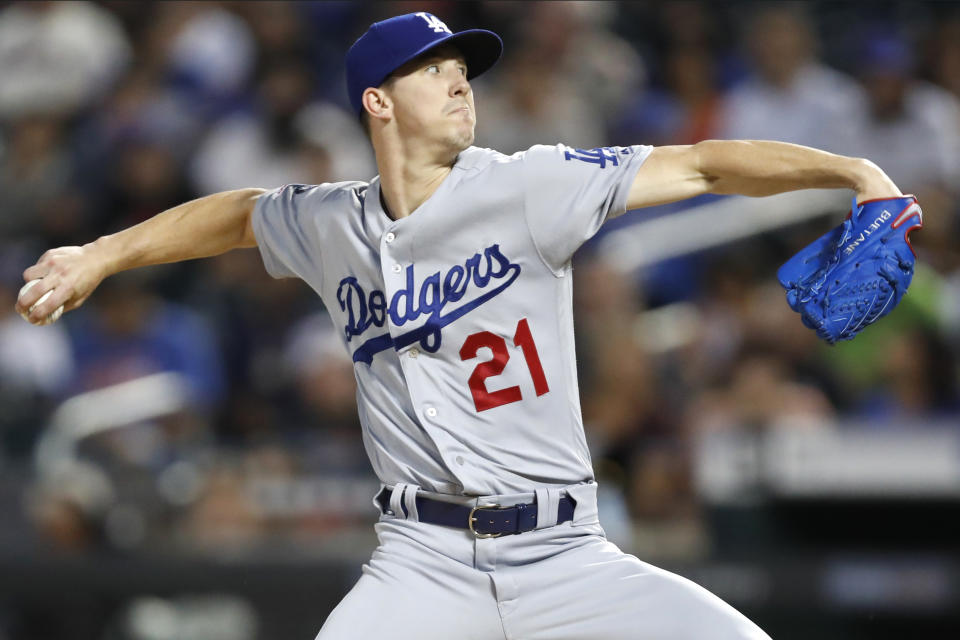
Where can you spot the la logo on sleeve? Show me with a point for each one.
(434, 22)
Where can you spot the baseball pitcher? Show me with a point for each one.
(449, 279)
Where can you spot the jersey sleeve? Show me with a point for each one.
(287, 230)
(570, 192)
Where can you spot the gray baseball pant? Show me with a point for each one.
(560, 582)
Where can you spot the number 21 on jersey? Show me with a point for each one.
(522, 338)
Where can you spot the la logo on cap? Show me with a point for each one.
(434, 22)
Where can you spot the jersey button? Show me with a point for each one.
(397, 268)
(390, 236)
(460, 460)
(431, 412)
(414, 352)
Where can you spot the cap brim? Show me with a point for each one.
(480, 48)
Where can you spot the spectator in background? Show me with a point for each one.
(252, 314)
(68, 508)
(578, 37)
(33, 360)
(144, 176)
(760, 392)
(617, 378)
(326, 406)
(224, 516)
(142, 107)
(628, 414)
(57, 57)
(534, 102)
(285, 138)
(751, 365)
(132, 150)
(912, 125)
(685, 110)
(917, 380)
(333, 145)
(681, 103)
(129, 332)
(36, 178)
(279, 28)
(210, 58)
(943, 61)
(691, 78)
(36, 365)
(570, 74)
(789, 96)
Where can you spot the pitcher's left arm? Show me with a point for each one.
(751, 168)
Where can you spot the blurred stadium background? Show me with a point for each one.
(181, 458)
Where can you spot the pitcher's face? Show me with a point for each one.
(432, 99)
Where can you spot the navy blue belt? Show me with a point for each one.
(484, 520)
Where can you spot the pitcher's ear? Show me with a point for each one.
(376, 103)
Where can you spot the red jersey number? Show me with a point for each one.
(522, 338)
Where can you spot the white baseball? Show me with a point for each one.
(50, 319)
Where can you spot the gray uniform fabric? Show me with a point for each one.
(565, 582)
(489, 249)
(459, 321)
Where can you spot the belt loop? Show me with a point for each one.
(548, 503)
(396, 500)
(585, 496)
(376, 498)
(410, 502)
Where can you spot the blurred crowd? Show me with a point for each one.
(111, 112)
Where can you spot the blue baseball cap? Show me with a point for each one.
(391, 43)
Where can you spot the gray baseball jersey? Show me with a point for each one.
(459, 321)
(459, 316)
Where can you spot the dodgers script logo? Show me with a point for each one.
(430, 297)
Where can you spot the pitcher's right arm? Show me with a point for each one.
(200, 228)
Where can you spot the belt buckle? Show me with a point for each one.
(471, 519)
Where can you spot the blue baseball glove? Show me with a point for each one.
(857, 273)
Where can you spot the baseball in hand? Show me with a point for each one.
(50, 319)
